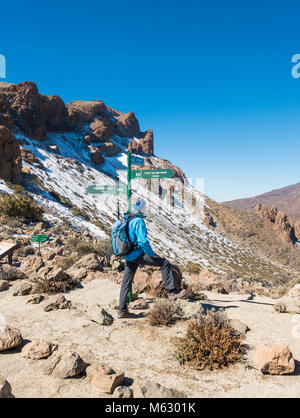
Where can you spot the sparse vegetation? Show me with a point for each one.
(83, 247)
(164, 313)
(209, 342)
(54, 286)
(20, 205)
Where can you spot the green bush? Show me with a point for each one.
(20, 206)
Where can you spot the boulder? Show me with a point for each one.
(103, 128)
(10, 157)
(64, 364)
(38, 349)
(97, 157)
(99, 315)
(88, 262)
(4, 285)
(5, 389)
(77, 274)
(10, 338)
(141, 277)
(104, 378)
(58, 302)
(274, 359)
(150, 389)
(32, 264)
(22, 289)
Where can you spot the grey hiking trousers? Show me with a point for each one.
(131, 268)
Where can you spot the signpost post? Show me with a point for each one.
(39, 239)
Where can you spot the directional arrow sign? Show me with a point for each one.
(152, 174)
(107, 189)
(137, 161)
(38, 238)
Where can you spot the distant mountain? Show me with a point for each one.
(286, 199)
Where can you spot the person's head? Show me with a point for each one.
(140, 206)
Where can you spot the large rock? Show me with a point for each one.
(88, 262)
(127, 125)
(81, 111)
(274, 359)
(38, 349)
(150, 389)
(35, 114)
(104, 378)
(97, 157)
(103, 129)
(64, 364)
(32, 264)
(144, 145)
(189, 309)
(10, 157)
(5, 389)
(10, 338)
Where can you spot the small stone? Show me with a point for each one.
(122, 392)
(64, 364)
(99, 315)
(5, 389)
(10, 338)
(38, 349)
(4, 285)
(59, 302)
(155, 390)
(274, 359)
(139, 304)
(239, 326)
(23, 289)
(103, 378)
(35, 300)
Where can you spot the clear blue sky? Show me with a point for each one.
(212, 79)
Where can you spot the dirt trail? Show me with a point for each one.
(141, 351)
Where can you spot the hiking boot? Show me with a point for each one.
(177, 294)
(127, 314)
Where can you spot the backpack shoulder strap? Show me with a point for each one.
(131, 217)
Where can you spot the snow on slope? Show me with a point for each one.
(175, 232)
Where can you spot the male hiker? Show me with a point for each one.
(143, 254)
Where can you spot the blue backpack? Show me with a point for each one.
(120, 244)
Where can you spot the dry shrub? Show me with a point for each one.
(20, 206)
(209, 342)
(280, 307)
(66, 262)
(54, 286)
(11, 273)
(84, 247)
(164, 313)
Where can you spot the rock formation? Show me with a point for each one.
(144, 145)
(10, 158)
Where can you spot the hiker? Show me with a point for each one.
(142, 254)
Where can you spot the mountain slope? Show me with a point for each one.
(286, 199)
(67, 147)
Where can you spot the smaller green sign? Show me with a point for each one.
(152, 174)
(38, 238)
(107, 189)
(137, 160)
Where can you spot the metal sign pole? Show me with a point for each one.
(129, 181)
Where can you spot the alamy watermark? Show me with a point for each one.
(2, 66)
(296, 67)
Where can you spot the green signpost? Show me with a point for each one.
(152, 174)
(131, 174)
(39, 239)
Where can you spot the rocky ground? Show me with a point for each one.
(142, 352)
